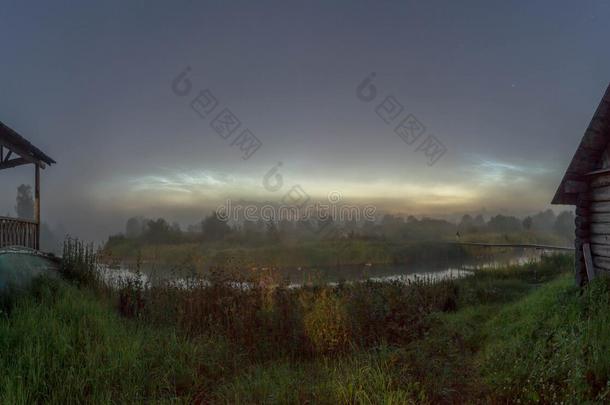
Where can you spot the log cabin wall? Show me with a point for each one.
(593, 222)
(586, 184)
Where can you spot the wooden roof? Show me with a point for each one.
(17, 144)
(587, 156)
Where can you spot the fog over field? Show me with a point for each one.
(508, 106)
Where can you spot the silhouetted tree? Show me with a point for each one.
(502, 223)
(286, 228)
(564, 224)
(411, 219)
(543, 221)
(272, 233)
(391, 226)
(325, 224)
(215, 228)
(466, 222)
(135, 227)
(25, 202)
(159, 231)
(479, 221)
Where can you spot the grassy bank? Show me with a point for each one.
(284, 254)
(520, 333)
(290, 255)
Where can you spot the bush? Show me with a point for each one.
(327, 323)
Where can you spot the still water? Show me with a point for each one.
(436, 269)
(432, 269)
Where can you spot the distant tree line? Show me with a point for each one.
(544, 221)
(389, 227)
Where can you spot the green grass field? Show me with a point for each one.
(523, 333)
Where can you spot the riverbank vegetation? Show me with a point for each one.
(324, 242)
(522, 333)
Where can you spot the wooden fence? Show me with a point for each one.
(18, 232)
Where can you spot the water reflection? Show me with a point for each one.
(448, 274)
(431, 270)
(434, 269)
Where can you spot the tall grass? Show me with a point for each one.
(500, 335)
(79, 264)
(62, 345)
(552, 346)
(275, 320)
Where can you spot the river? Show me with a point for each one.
(431, 270)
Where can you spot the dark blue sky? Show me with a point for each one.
(507, 87)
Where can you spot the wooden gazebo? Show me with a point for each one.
(15, 151)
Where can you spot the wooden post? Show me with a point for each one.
(37, 206)
(582, 224)
(586, 249)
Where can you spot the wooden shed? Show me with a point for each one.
(15, 151)
(586, 185)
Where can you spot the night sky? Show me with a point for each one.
(507, 88)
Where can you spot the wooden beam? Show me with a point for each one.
(601, 194)
(574, 187)
(586, 250)
(37, 205)
(514, 245)
(600, 207)
(583, 222)
(600, 217)
(601, 180)
(600, 228)
(583, 200)
(600, 250)
(8, 164)
(600, 239)
(22, 153)
(3, 157)
(601, 262)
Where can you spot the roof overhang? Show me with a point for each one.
(19, 151)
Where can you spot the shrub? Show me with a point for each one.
(326, 323)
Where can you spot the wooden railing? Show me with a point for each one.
(515, 245)
(18, 232)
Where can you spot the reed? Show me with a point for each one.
(230, 338)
